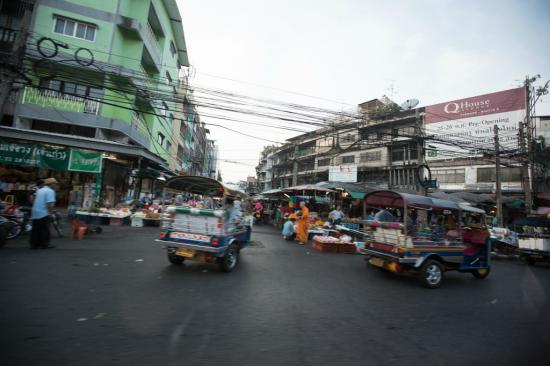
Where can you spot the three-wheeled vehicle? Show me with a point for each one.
(426, 235)
(204, 234)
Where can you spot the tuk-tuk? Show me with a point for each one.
(426, 235)
(211, 235)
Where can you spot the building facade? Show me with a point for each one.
(102, 76)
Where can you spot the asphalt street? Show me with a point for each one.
(114, 299)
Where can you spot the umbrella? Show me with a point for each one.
(356, 191)
(308, 187)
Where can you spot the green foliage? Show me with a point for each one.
(386, 111)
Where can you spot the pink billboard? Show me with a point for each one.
(493, 103)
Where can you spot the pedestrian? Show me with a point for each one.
(40, 215)
(302, 224)
(336, 215)
(288, 228)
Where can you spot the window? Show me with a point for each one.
(160, 139)
(350, 159)
(180, 152)
(323, 162)
(66, 87)
(398, 154)
(348, 138)
(488, 175)
(164, 109)
(73, 28)
(172, 49)
(168, 145)
(370, 156)
(449, 175)
(168, 77)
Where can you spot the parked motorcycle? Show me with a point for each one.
(5, 227)
(20, 217)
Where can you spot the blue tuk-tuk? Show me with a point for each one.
(426, 235)
(211, 235)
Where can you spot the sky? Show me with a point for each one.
(337, 54)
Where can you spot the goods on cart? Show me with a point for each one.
(329, 244)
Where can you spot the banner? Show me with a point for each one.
(343, 173)
(85, 161)
(19, 153)
(466, 126)
(50, 157)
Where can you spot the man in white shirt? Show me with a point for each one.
(40, 215)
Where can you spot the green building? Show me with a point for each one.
(104, 77)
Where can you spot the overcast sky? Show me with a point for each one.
(350, 51)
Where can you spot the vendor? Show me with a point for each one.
(384, 215)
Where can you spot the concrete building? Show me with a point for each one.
(104, 76)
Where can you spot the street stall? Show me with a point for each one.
(533, 239)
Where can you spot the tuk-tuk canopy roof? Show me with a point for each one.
(201, 185)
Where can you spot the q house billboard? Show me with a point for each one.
(467, 125)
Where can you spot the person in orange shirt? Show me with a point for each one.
(302, 224)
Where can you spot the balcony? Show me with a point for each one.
(57, 100)
(152, 43)
(305, 151)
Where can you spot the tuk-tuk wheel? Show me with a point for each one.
(481, 273)
(175, 259)
(431, 274)
(230, 259)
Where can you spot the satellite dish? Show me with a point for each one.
(409, 104)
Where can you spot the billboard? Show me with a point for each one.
(465, 126)
(342, 173)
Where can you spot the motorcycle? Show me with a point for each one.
(20, 218)
(5, 227)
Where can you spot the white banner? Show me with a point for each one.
(343, 173)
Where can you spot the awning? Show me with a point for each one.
(475, 198)
(307, 187)
(201, 185)
(85, 143)
(355, 190)
(397, 200)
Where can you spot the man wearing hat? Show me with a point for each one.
(41, 210)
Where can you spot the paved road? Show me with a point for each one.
(115, 300)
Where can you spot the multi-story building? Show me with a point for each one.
(381, 152)
(103, 76)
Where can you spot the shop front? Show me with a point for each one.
(22, 164)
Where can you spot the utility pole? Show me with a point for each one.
(497, 178)
(529, 150)
(525, 181)
(421, 152)
(15, 60)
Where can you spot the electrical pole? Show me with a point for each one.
(497, 178)
(421, 152)
(15, 60)
(529, 150)
(525, 169)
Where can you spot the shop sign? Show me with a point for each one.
(50, 157)
(85, 161)
(47, 157)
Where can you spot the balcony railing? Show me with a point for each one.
(58, 100)
(306, 151)
(145, 79)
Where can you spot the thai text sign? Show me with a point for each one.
(85, 161)
(49, 157)
(465, 126)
